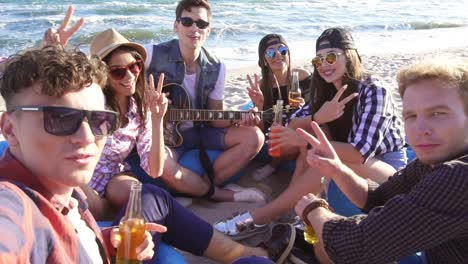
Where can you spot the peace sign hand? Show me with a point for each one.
(255, 94)
(155, 99)
(62, 35)
(332, 110)
(322, 156)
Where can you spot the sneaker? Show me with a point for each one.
(240, 226)
(241, 194)
(263, 172)
(280, 243)
(302, 252)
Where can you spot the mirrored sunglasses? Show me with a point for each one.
(119, 72)
(271, 52)
(330, 58)
(188, 22)
(65, 121)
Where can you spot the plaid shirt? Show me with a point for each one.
(34, 224)
(377, 128)
(420, 208)
(119, 145)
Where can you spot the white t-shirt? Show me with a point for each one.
(189, 83)
(86, 235)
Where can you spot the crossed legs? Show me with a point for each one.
(242, 144)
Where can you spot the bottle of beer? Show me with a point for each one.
(131, 228)
(277, 121)
(294, 94)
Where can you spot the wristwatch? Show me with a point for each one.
(313, 205)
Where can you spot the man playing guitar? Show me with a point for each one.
(185, 62)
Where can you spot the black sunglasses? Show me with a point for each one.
(188, 22)
(65, 121)
(271, 52)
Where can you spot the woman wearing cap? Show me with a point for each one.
(274, 59)
(358, 113)
(360, 118)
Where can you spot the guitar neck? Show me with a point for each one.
(206, 115)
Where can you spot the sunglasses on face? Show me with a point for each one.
(271, 52)
(65, 121)
(119, 72)
(330, 58)
(188, 22)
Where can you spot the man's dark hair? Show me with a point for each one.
(57, 71)
(188, 4)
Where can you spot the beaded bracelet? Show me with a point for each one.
(313, 205)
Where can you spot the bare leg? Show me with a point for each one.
(101, 208)
(186, 181)
(243, 144)
(118, 189)
(300, 185)
(224, 250)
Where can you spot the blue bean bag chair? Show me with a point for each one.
(189, 160)
(3, 147)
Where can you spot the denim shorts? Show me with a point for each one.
(397, 159)
(212, 138)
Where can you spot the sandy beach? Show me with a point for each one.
(384, 65)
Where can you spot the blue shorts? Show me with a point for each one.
(211, 137)
(397, 159)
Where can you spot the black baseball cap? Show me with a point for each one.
(338, 37)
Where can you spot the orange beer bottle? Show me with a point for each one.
(277, 121)
(131, 228)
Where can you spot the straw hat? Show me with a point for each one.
(108, 40)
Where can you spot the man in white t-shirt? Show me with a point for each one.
(186, 62)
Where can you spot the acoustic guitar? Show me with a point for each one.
(180, 110)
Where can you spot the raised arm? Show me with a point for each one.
(420, 219)
(62, 35)
(323, 157)
(157, 102)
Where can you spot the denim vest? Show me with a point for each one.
(168, 60)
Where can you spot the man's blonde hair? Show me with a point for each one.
(452, 71)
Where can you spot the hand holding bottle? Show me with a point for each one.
(145, 250)
(133, 241)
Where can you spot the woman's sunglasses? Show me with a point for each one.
(271, 52)
(119, 72)
(330, 58)
(65, 121)
(188, 22)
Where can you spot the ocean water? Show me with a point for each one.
(379, 26)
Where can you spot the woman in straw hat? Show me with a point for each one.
(141, 108)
